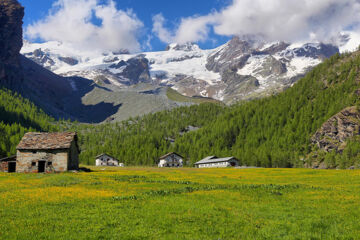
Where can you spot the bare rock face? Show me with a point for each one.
(135, 70)
(337, 130)
(69, 60)
(272, 66)
(225, 57)
(11, 15)
(320, 51)
(41, 58)
(281, 46)
(187, 47)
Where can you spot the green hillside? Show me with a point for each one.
(18, 116)
(271, 132)
(177, 97)
(276, 131)
(141, 140)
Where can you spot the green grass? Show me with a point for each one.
(151, 203)
(176, 96)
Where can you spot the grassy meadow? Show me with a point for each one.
(152, 203)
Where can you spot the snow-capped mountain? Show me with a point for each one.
(234, 71)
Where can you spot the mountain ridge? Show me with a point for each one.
(221, 73)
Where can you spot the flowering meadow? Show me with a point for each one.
(188, 203)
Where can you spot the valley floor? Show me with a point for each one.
(152, 203)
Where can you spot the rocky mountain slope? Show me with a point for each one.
(276, 131)
(74, 97)
(97, 87)
(333, 143)
(11, 14)
(334, 133)
(237, 70)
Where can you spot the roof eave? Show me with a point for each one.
(43, 149)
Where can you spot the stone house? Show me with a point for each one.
(215, 162)
(47, 152)
(8, 164)
(106, 160)
(171, 160)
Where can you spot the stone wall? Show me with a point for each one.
(4, 166)
(27, 161)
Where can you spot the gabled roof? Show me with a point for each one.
(208, 158)
(214, 159)
(46, 141)
(106, 155)
(166, 155)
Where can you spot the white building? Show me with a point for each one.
(171, 160)
(107, 160)
(215, 162)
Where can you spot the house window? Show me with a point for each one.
(49, 164)
(33, 164)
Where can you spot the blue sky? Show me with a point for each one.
(144, 25)
(172, 10)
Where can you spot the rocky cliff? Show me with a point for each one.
(56, 95)
(133, 71)
(332, 139)
(11, 14)
(334, 133)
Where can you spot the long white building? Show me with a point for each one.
(215, 162)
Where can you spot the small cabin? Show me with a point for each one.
(8, 164)
(47, 152)
(171, 160)
(215, 162)
(107, 160)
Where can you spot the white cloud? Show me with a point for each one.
(158, 28)
(286, 20)
(69, 21)
(192, 29)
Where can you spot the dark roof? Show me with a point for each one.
(213, 159)
(166, 155)
(106, 155)
(46, 141)
(12, 158)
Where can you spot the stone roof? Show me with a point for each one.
(214, 159)
(46, 141)
(166, 155)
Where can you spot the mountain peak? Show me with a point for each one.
(187, 47)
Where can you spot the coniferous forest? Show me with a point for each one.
(18, 116)
(269, 132)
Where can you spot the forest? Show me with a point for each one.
(18, 116)
(269, 132)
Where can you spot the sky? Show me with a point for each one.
(150, 25)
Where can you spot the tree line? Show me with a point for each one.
(269, 132)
